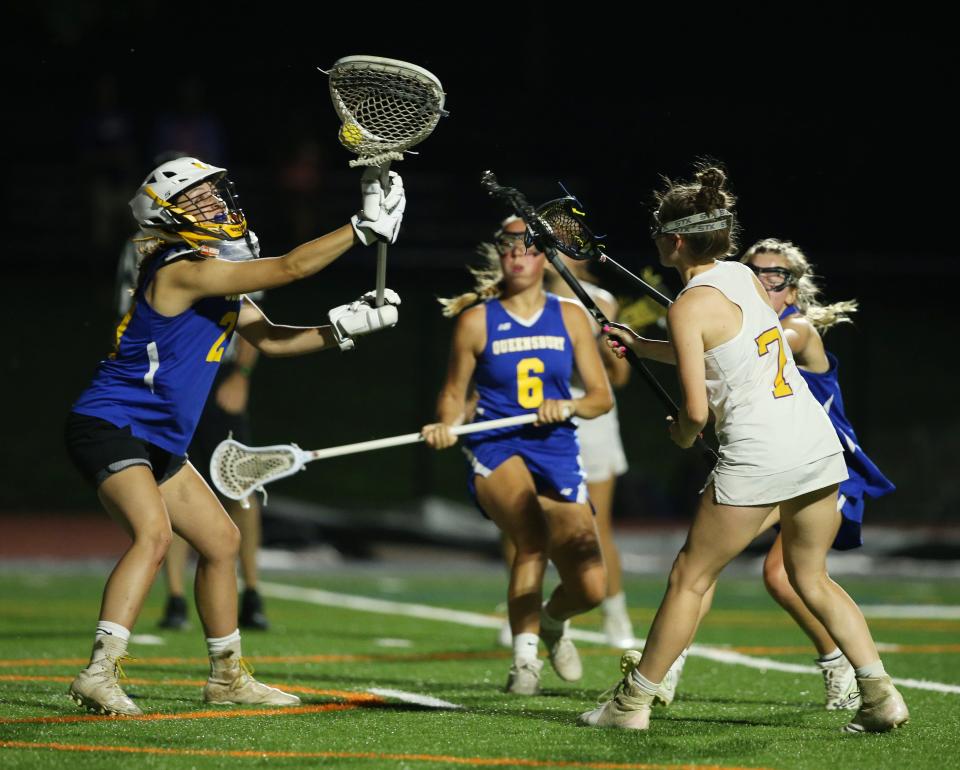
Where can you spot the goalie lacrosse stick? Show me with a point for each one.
(386, 106)
(238, 470)
(545, 236)
(566, 218)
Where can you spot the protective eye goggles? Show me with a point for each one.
(773, 278)
(708, 221)
(505, 242)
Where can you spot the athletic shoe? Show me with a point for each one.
(505, 635)
(563, 655)
(840, 684)
(97, 688)
(251, 611)
(618, 629)
(231, 681)
(668, 687)
(175, 614)
(626, 706)
(881, 708)
(524, 677)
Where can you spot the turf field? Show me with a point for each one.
(358, 665)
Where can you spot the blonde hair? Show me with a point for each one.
(823, 317)
(707, 193)
(487, 279)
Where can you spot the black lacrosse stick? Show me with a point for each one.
(567, 218)
(546, 237)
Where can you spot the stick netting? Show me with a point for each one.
(391, 109)
(239, 470)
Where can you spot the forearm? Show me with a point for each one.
(595, 402)
(655, 350)
(283, 341)
(451, 409)
(312, 256)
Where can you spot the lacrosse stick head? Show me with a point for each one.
(567, 221)
(387, 106)
(238, 470)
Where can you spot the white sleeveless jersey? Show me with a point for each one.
(767, 421)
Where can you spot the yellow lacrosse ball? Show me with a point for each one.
(351, 135)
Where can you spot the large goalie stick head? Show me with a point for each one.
(238, 470)
(387, 106)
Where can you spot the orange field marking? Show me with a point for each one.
(439, 758)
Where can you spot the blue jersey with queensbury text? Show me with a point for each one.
(523, 363)
(160, 372)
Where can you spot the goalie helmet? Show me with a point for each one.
(161, 211)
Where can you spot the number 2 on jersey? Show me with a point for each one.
(229, 321)
(529, 388)
(781, 387)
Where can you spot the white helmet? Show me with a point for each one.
(155, 209)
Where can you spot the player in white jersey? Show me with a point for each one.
(732, 361)
(602, 453)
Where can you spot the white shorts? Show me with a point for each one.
(776, 487)
(600, 447)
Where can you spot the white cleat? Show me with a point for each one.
(628, 707)
(563, 655)
(840, 684)
(231, 681)
(97, 689)
(524, 677)
(881, 709)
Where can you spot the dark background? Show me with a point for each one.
(834, 137)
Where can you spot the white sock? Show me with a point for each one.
(614, 605)
(830, 657)
(645, 685)
(550, 623)
(681, 660)
(525, 647)
(220, 643)
(114, 631)
(872, 671)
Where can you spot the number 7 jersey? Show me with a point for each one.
(767, 421)
(158, 376)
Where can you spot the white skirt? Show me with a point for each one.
(774, 488)
(601, 450)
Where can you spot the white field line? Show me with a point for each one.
(477, 620)
(412, 697)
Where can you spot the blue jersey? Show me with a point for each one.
(522, 364)
(160, 372)
(865, 478)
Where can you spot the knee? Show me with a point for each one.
(775, 579)
(225, 546)
(685, 576)
(808, 584)
(594, 587)
(155, 539)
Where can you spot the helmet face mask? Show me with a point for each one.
(186, 199)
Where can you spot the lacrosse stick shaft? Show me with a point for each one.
(382, 245)
(632, 358)
(414, 438)
(645, 287)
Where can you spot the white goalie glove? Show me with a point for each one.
(361, 317)
(381, 214)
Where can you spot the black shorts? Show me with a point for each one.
(99, 449)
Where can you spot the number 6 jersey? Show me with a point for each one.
(159, 374)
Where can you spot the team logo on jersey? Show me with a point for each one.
(505, 326)
(565, 492)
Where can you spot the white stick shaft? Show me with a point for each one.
(413, 438)
(382, 245)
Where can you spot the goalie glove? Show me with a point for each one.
(382, 213)
(360, 317)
